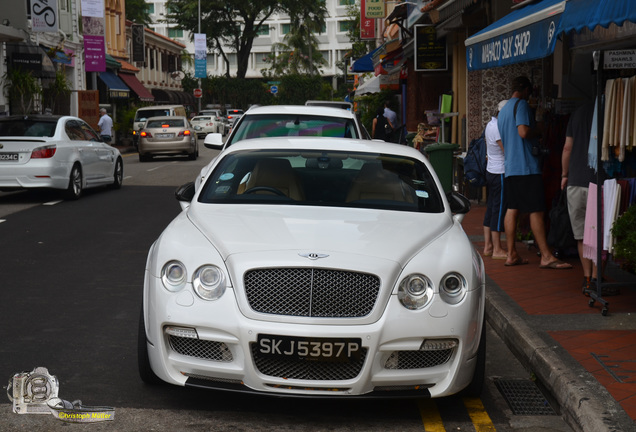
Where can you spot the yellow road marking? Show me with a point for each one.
(478, 415)
(430, 416)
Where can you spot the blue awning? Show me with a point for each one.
(364, 63)
(116, 87)
(526, 34)
(530, 33)
(580, 14)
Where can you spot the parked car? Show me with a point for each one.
(323, 267)
(205, 124)
(167, 136)
(218, 118)
(57, 152)
(145, 113)
(233, 115)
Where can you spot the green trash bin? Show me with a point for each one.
(441, 157)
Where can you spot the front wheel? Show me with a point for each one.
(143, 361)
(74, 189)
(118, 175)
(477, 383)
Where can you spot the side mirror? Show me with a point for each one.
(140, 125)
(459, 205)
(213, 141)
(185, 193)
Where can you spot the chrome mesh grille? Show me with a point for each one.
(311, 292)
(293, 368)
(203, 349)
(417, 359)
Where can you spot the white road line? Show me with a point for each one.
(162, 166)
(50, 203)
(2, 220)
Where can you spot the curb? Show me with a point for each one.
(585, 404)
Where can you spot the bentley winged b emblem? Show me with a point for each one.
(313, 255)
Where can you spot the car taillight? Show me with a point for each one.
(43, 152)
(186, 133)
(145, 134)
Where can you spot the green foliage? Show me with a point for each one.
(296, 89)
(57, 89)
(125, 117)
(137, 11)
(22, 89)
(625, 235)
(236, 23)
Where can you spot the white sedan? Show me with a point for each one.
(316, 267)
(58, 152)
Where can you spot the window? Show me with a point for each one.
(285, 28)
(174, 33)
(150, 7)
(346, 2)
(263, 30)
(344, 26)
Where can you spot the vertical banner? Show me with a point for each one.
(94, 27)
(138, 43)
(374, 9)
(200, 56)
(367, 25)
(44, 16)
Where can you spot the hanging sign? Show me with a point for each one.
(200, 56)
(138, 43)
(374, 9)
(621, 59)
(431, 54)
(44, 16)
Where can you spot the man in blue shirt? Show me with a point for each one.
(523, 181)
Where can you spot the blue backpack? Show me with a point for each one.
(475, 162)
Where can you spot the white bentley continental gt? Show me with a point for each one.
(323, 267)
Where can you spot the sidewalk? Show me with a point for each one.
(586, 360)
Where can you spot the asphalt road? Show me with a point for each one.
(72, 275)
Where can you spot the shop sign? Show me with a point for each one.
(431, 54)
(44, 16)
(118, 94)
(620, 59)
(27, 61)
(375, 9)
(527, 43)
(138, 43)
(367, 25)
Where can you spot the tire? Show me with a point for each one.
(118, 174)
(75, 183)
(195, 152)
(143, 361)
(477, 383)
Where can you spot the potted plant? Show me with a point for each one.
(625, 239)
(22, 88)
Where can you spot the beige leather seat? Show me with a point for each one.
(278, 174)
(375, 183)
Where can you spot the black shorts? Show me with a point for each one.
(525, 193)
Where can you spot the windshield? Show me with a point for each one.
(142, 115)
(315, 178)
(280, 125)
(33, 128)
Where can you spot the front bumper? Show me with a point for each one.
(223, 355)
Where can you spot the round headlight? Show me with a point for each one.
(173, 276)
(415, 291)
(209, 282)
(454, 288)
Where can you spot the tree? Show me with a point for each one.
(22, 88)
(299, 52)
(137, 11)
(234, 24)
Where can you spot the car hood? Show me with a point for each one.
(390, 235)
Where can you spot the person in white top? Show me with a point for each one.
(105, 126)
(496, 199)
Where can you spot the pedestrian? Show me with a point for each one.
(523, 182)
(380, 124)
(576, 176)
(392, 118)
(105, 126)
(495, 192)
